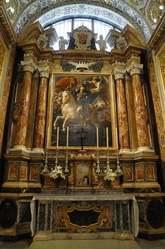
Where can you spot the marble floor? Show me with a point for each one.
(84, 244)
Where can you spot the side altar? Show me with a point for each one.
(79, 119)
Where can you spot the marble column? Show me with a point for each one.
(41, 109)
(131, 112)
(23, 107)
(121, 110)
(141, 115)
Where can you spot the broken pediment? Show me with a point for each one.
(132, 36)
(35, 34)
(127, 36)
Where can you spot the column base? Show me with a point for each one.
(145, 148)
(38, 150)
(124, 151)
(18, 148)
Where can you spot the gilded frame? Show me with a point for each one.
(82, 174)
(72, 82)
(104, 220)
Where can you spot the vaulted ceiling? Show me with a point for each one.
(143, 15)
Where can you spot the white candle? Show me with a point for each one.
(47, 142)
(107, 137)
(57, 136)
(67, 136)
(97, 136)
(116, 138)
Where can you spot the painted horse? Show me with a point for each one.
(73, 112)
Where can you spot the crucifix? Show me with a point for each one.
(82, 137)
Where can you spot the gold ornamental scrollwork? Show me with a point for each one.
(89, 218)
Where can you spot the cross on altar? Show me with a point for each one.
(82, 137)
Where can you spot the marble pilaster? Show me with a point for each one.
(141, 116)
(23, 107)
(41, 109)
(121, 109)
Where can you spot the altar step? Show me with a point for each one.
(93, 244)
(97, 244)
(86, 244)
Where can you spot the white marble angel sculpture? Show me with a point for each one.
(62, 42)
(101, 43)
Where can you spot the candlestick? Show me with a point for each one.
(107, 137)
(67, 136)
(66, 163)
(98, 163)
(45, 170)
(56, 162)
(57, 136)
(97, 136)
(118, 169)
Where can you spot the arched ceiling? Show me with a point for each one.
(143, 15)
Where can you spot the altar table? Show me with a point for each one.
(121, 208)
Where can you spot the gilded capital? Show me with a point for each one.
(119, 73)
(135, 68)
(44, 71)
(28, 66)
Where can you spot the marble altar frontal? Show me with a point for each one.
(112, 213)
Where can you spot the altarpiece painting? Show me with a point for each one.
(81, 102)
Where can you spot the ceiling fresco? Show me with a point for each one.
(143, 15)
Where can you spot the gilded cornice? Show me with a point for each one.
(126, 55)
(157, 35)
(6, 26)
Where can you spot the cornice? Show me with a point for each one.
(157, 35)
(6, 26)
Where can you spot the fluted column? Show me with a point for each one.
(141, 115)
(121, 110)
(41, 109)
(23, 107)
